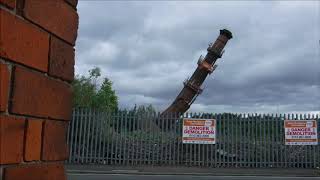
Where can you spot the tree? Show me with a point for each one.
(88, 93)
(106, 96)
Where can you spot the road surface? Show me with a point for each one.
(177, 177)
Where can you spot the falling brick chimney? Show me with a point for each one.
(206, 65)
(37, 39)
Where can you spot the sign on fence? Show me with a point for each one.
(301, 132)
(199, 131)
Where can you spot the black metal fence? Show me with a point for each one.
(146, 139)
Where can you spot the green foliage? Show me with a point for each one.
(88, 93)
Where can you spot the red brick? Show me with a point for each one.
(74, 3)
(38, 95)
(11, 139)
(54, 140)
(61, 59)
(50, 171)
(4, 86)
(23, 42)
(33, 140)
(56, 16)
(9, 3)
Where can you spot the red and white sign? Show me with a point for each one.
(301, 132)
(199, 131)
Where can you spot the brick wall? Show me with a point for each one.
(37, 39)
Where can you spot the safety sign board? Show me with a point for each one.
(301, 132)
(199, 131)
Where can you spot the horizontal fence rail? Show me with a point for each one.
(146, 139)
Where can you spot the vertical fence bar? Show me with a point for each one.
(143, 140)
(90, 119)
(108, 136)
(190, 147)
(175, 140)
(270, 145)
(138, 140)
(316, 148)
(94, 135)
(125, 147)
(117, 138)
(213, 146)
(72, 135)
(104, 132)
(113, 139)
(97, 136)
(229, 133)
(276, 135)
(314, 156)
(69, 131)
(135, 141)
(223, 138)
(208, 116)
(76, 119)
(304, 149)
(237, 123)
(160, 158)
(241, 141)
(130, 142)
(153, 142)
(183, 149)
(84, 142)
(91, 135)
(286, 148)
(264, 141)
(275, 149)
(202, 148)
(247, 140)
(220, 133)
(80, 159)
(276, 140)
(123, 138)
(254, 139)
(290, 117)
(267, 147)
(198, 149)
(265, 124)
(77, 146)
(150, 138)
(168, 140)
(259, 140)
(232, 139)
(100, 136)
(280, 141)
(178, 136)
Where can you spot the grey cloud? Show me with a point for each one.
(148, 49)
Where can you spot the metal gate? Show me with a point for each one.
(146, 139)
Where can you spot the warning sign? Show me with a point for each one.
(301, 132)
(199, 131)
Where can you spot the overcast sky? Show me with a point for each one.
(148, 49)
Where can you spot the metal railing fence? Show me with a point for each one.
(146, 139)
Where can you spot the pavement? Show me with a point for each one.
(103, 170)
(176, 177)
